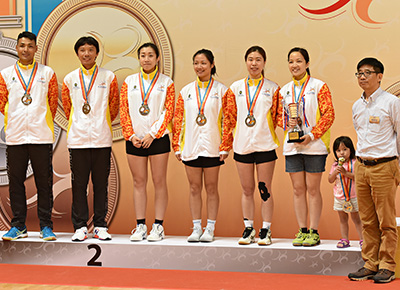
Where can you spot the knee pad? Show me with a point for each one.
(263, 191)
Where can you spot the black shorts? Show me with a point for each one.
(256, 157)
(158, 146)
(204, 162)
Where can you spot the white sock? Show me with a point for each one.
(248, 223)
(211, 224)
(197, 223)
(266, 225)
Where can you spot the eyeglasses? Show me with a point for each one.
(366, 74)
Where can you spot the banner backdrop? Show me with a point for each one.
(337, 34)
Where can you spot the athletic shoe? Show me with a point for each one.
(312, 239)
(47, 234)
(265, 237)
(208, 235)
(15, 233)
(80, 235)
(300, 237)
(248, 236)
(384, 276)
(156, 233)
(196, 234)
(139, 233)
(101, 233)
(362, 274)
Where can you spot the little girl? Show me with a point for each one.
(342, 174)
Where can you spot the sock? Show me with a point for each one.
(314, 231)
(211, 224)
(266, 225)
(141, 221)
(197, 223)
(304, 230)
(248, 223)
(160, 222)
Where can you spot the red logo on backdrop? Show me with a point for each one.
(359, 10)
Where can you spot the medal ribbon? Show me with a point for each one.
(252, 101)
(26, 87)
(146, 94)
(344, 181)
(85, 92)
(201, 101)
(300, 96)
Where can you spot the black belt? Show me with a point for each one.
(373, 162)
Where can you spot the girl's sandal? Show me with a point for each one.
(343, 243)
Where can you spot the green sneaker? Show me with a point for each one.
(300, 237)
(312, 239)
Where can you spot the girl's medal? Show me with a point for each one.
(201, 119)
(250, 120)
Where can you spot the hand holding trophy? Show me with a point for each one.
(295, 133)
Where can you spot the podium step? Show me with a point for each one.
(175, 253)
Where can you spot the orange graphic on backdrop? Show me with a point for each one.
(360, 8)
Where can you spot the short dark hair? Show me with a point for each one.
(304, 53)
(210, 57)
(86, 40)
(28, 35)
(347, 142)
(376, 64)
(148, 44)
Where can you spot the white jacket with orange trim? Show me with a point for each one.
(33, 123)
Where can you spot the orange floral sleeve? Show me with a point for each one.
(113, 99)
(229, 110)
(325, 106)
(52, 95)
(279, 110)
(275, 107)
(66, 100)
(126, 122)
(178, 120)
(3, 94)
(169, 113)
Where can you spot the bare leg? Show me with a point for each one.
(158, 165)
(358, 224)
(246, 176)
(194, 175)
(211, 185)
(344, 224)
(299, 197)
(265, 172)
(138, 167)
(313, 181)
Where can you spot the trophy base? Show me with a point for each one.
(294, 137)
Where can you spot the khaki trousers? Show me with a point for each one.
(376, 192)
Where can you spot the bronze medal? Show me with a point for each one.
(26, 99)
(201, 120)
(86, 108)
(144, 110)
(250, 120)
(347, 206)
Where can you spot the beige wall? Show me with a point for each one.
(228, 28)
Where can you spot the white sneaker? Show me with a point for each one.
(208, 235)
(265, 237)
(101, 233)
(248, 236)
(156, 233)
(139, 233)
(80, 235)
(196, 234)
